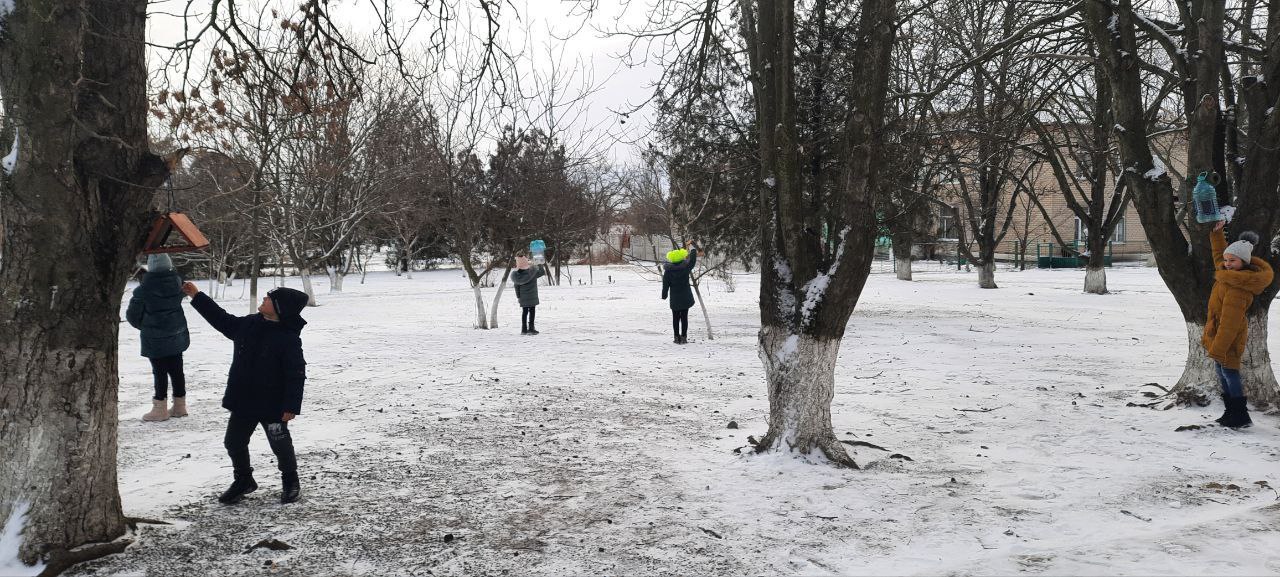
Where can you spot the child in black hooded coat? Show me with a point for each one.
(264, 385)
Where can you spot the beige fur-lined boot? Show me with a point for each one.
(179, 407)
(159, 411)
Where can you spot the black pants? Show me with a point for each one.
(527, 315)
(680, 322)
(165, 369)
(239, 430)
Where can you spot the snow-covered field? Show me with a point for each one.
(428, 447)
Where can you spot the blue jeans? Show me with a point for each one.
(1230, 380)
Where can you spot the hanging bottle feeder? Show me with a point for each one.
(538, 250)
(1205, 198)
(161, 239)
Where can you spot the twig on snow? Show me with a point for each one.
(1136, 516)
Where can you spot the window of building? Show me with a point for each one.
(947, 223)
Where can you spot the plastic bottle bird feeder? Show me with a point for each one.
(161, 239)
(1205, 198)
(538, 250)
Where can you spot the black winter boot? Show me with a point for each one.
(291, 489)
(1226, 409)
(243, 485)
(1237, 413)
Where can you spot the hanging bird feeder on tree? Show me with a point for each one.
(1205, 197)
(162, 239)
(538, 249)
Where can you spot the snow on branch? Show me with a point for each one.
(11, 160)
(816, 289)
(1158, 170)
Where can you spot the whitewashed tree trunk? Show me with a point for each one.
(223, 283)
(493, 310)
(903, 268)
(305, 273)
(481, 321)
(1255, 368)
(334, 282)
(801, 372)
(1095, 281)
(1199, 380)
(987, 275)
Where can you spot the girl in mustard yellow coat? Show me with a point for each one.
(1238, 277)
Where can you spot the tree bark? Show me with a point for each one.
(987, 275)
(806, 294)
(801, 371)
(497, 298)
(1255, 368)
(902, 243)
(1199, 381)
(1095, 280)
(76, 210)
(697, 291)
(481, 321)
(304, 270)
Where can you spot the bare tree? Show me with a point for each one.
(77, 194)
(1231, 128)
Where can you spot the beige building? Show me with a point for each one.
(1031, 229)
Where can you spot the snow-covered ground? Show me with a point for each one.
(429, 447)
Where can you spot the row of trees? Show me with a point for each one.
(315, 171)
(793, 133)
(976, 103)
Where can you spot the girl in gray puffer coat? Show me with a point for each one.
(156, 310)
(526, 280)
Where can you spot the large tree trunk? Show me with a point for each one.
(806, 296)
(1095, 280)
(1199, 381)
(801, 370)
(76, 209)
(1255, 368)
(987, 275)
(1095, 276)
(902, 243)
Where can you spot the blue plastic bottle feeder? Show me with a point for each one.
(538, 250)
(1205, 198)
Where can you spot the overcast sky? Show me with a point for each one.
(538, 24)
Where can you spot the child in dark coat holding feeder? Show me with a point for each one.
(1238, 277)
(675, 282)
(156, 310)
(526, 280)
(264, 385)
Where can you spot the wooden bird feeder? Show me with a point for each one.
(189, 238)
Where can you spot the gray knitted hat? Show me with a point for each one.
(1242, 248)
(159, 263)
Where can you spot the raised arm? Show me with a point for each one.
(219, 319)
(1218, 241)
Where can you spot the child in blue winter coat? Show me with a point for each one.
(156, 310)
